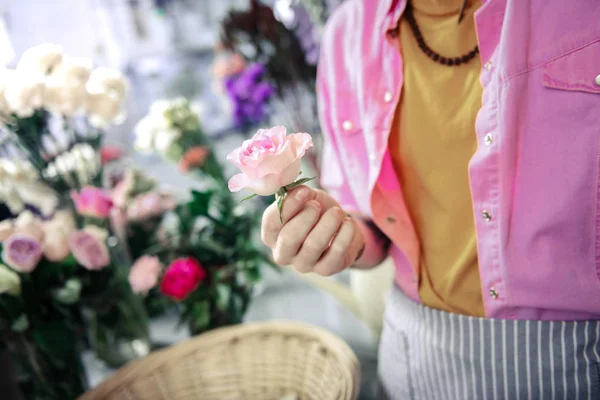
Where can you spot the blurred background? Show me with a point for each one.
(119, 114)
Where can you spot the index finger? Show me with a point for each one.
(294, 201)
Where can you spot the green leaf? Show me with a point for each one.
(200, 202)
(55, 338)
(200, 314)
(252, 275)
(69, 293)
(223, 297)
(249, 197)
(21, 324)
(298, 183)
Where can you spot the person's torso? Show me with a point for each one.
(534, 177)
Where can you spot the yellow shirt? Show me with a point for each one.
(431, 143)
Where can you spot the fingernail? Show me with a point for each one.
(301, 194)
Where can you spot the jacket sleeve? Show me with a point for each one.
(333, 176)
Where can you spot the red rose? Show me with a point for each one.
(182, 277)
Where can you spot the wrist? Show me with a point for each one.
(375, 245)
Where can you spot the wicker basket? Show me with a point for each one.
(264, 361)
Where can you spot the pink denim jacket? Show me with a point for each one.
(535, 175)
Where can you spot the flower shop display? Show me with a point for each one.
(61, 241)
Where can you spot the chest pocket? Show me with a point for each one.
(578, 70)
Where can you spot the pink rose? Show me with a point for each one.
(92, 202)
(22, 252)
(149, 205)
(182, 277)
(109, 154)
(269, 161)
(89, 250)
(144, 274)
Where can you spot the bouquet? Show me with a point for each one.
(205, 261)
(61, 243)
(203, 257)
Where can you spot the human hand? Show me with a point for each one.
(316, 234)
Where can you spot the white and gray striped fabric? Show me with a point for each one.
(431, 354)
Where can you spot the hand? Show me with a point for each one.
(316, 234)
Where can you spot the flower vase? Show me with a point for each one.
(45, 363)
(118, 329)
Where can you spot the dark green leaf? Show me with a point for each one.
(55, 338)
(200, 314)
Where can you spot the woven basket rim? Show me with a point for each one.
(142, 367)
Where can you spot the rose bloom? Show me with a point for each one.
(41, 58)
(22, 252)
(269, 160)
(182, 277)
(92, 202)
(144, 274)
(89, 250)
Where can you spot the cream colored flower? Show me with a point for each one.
(24, 92)
(10, 282)
(41, 59)
(107, 80)
(65, 91)
(104, 109)
(99, 233)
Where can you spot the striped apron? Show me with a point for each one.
(431, 354)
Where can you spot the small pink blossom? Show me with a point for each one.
(22, 252)
(89, 250)
(144, 274)
(92, 202)
(269, 160)
(109, 154)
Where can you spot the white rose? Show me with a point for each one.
(24, 92)
(104, 108)
(6, 229)
(38, 195)
(9, 281)
(41, 59)
(107, 80)
(65, 91)
(17, 171)
(62, 221)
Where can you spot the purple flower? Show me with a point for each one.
(249, 94)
